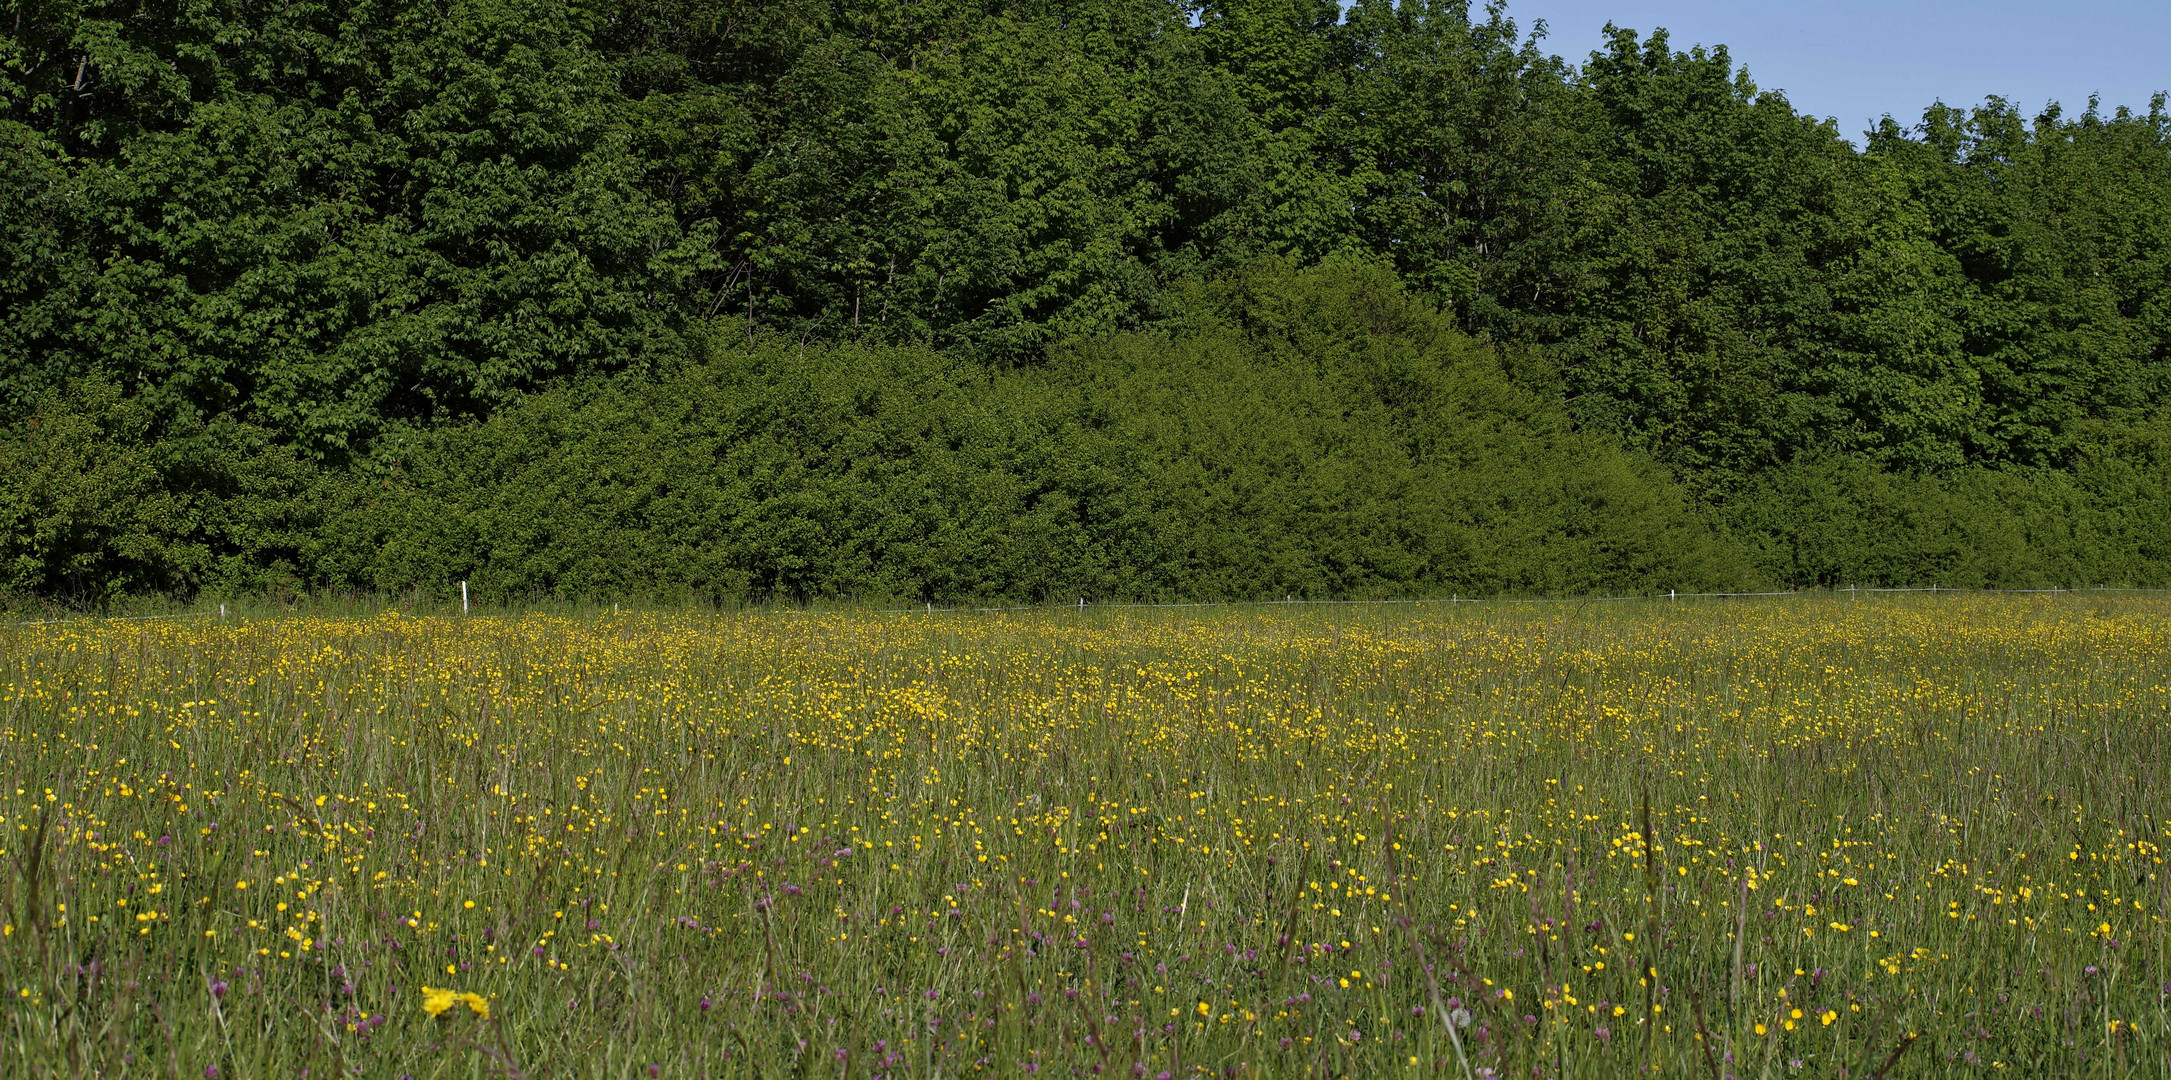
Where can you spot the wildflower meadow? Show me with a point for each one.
(1820, 835)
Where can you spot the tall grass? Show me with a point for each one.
(1810, 836)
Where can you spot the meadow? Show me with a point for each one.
(1803, 836)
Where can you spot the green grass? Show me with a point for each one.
(1539, 840)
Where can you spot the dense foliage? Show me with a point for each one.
(942, 298)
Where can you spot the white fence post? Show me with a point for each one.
(463, 598)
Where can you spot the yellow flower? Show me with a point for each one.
(435, 1000)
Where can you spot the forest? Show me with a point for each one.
(1041, 301)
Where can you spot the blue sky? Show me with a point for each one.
(1856, 60)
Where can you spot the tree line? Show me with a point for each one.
(1036, 299)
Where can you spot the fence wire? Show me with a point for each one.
(1082, 605)
(1095, 605)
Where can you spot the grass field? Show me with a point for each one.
(1807, 836)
